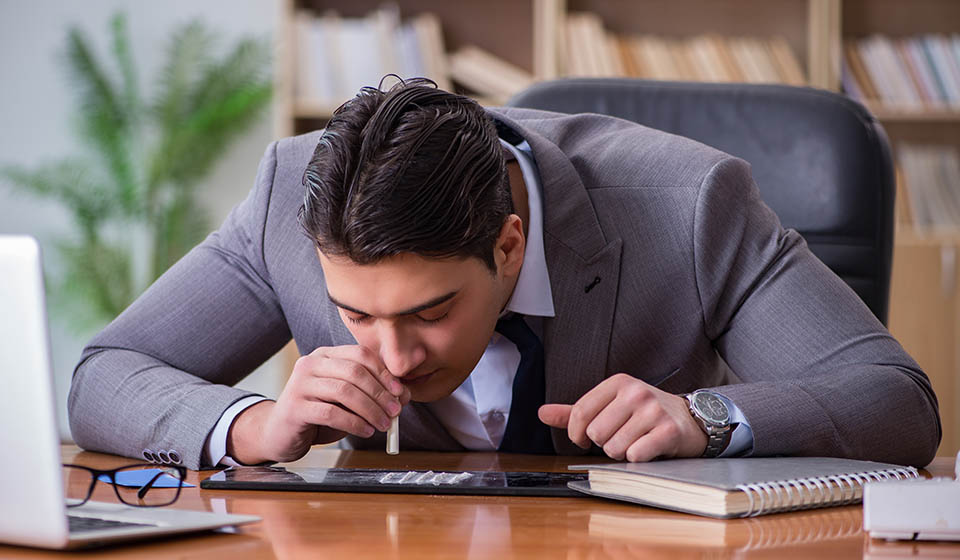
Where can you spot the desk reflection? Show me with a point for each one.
(332, 528)
(877, 549)
(648, 533)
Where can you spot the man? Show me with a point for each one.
(587, 285)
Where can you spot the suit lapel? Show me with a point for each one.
(584, 273)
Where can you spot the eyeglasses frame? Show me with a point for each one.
(110, 473)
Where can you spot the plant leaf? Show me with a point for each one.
(203, 102)
(221, 103)
(128, 70)
(104, 120)
(72, 183)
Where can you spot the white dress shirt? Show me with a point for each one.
(476, 413)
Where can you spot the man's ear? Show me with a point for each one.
(510, 246)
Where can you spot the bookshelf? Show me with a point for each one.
(517, 32)
(532, 36)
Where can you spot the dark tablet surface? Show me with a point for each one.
(485, 483)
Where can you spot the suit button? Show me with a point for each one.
(174, 457)
(163, 457)
(148, 455)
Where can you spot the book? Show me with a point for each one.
(575, 57)
(741, 52)
(945, 65)
(632, 65)
(903, 208)
(706, 60)
(655, 57)
(727, 488)
(596, 37)
(385, 22)
(617, 66)
(927, 95)
(432, 50)
(548, 18)
(315, 80)
(486, 74)
(763, 60)
(336, 56)
(930, 176)
(754, 59)
(410, 58)
(786, 62)
(589, 51)
(358, 55)
(854, 63)
(721, 45)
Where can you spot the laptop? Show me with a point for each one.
(33, 508)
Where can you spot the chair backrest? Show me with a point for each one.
(821, 161)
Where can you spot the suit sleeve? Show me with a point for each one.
(820, 374)
(159, 376)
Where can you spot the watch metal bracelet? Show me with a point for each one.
(716, 443)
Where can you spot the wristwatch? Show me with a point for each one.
(709, 410)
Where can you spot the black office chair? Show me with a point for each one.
(821, 161)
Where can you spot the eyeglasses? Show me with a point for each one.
(140, 485)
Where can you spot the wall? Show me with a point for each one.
(36, 109)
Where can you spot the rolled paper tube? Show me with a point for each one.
(393, 436)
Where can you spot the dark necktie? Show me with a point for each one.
(525, 433)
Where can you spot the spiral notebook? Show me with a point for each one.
(726, 488)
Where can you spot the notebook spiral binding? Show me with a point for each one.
(839, 490)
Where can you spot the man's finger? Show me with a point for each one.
(370, 360)
(355, 375)
(656, 442)
(555, 415)
(332, 416)
(352, 399)
(608, 422)
(587, 408)
(636, 427)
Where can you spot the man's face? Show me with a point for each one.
(429, 320)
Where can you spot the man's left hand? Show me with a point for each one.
(630, 420)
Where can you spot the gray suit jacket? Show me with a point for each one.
(699, 287)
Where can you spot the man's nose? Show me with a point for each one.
(400, 352)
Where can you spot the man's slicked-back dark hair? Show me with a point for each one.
(413, 169)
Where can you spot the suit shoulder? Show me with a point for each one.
(297, 149)
(280, 177)
(292, 154)
(609, 151)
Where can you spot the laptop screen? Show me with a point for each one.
(31, 489)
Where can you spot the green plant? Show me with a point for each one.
(132, 195)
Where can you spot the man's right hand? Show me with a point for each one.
(333, 391)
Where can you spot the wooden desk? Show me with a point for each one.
(386, 526)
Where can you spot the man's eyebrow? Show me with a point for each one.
(413, 310)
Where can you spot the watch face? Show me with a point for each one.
(711, 408)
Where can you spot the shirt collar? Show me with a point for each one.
(532, 294)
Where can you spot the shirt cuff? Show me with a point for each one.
(741, 440)
(215, 449)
